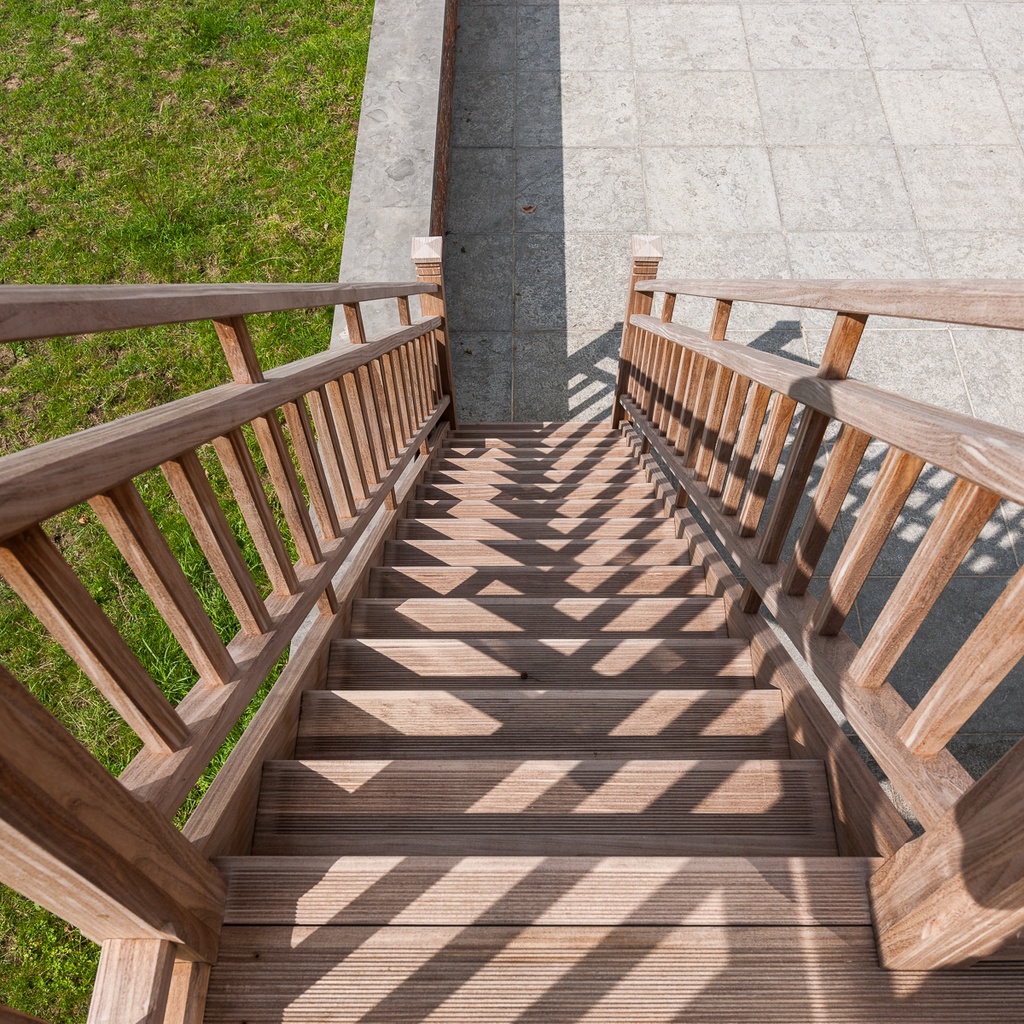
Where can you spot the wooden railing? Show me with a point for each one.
(720, 417)
(342, 435)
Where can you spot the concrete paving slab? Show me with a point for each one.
(669, 38)
(927, 35)
(721, 109)
(805, 36)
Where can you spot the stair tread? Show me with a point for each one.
(504, 890)
(664, 551)
(612, 491)
(538, 617)
(535, 508)
(534, 476)
(572, 723)
(502, 801)
(685, 663)
(535, 529)
(704, 974)
(571, 581)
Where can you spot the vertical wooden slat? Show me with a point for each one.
(896, 479)
(244, 481)
(32, 565)
(199, 504)
(712, 428)
(647, 254)
(671, 373)
(411, 384)
(385, 427)
(738, 389)
(403, 311)
(426, 254)
(238, 350)
(836, 480)
(768, 455)
(285, 482)
(131, 526)
(342, 395)
(186, 1000)
(132, 982)
(77, 842)
(702, 407)
(993, 648)
(331, 443)
(675, 430)
(965, 511)
(396, 387)
(371, 424)
(297, 420)
(354, 323)
(746, 443)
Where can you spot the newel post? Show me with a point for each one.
(957, 893)
(647, 255)
(426, 254)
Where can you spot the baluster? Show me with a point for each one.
(198, 503)
(368, 410)
(396, 386)
(337, 394)
(896, 479)
(701, 403)
(772, 444)
(411, 389)
(331, 442)
(746, 443)
(238, 350)
(835, 364)
(133, 981)
(32, 565)
(738, 389)
(244, 481)
(297, 419)
(965, 511)
(647, 255)
(132, 528)
(836, 480)
(356, 424)
(403, 311)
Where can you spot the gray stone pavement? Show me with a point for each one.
(758, 140)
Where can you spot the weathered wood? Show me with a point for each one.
(562, 891)
(52, 311)
(314, 473)
(497, 509)
(196, 499)
(233, 334)
(539, 552)
(957, 893)
(426, 255)
(78, 843)
(738, 388)
(32, 565)
(41, 481)
(840, 469)
(9, 1016)
(610, 528)
(647, 255)
(341, 397)
(993, 648)
(896, 479)
(186, 1000)
(133, 529)
(952, 533)
(746, 443)
(132, 982)
(330, 439)
(991, 303)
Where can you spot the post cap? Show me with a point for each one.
(427, 249)
(647, 247)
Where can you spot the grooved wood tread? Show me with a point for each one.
(635, 723)
(535, 580)
(539, 476)
(536, 552)
(688, 663)
(501, 462)
(530, 444)
(536, 508)
(308, 807)
(558, 975)
(538, 617)
(547, 890)
(483, 491)
(535, 529)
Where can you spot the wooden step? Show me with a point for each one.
(645, 723)
(693, 663)
(561, 428)
(501, 460)
(528, 447)
(518, 508)
(565, 492)
(540, 552)
(536, 580)
(534, 529)
(692, 974)
(545, 808)
(546, 456)
(562, 891)
(538, 617)
(530, 477)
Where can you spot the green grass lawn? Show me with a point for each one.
(159, 141)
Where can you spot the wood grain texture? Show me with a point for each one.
(565, 528)
(547, 891)
(459, 723)
(560, 492)
(538, 616)
(186, 1000)
(694, 663)
(51, 311)
(538, 508)
(535, 552)
(520, 476)
(132, 982)
(37, 571)
(536, 580)
(78, 843)
(629, 975)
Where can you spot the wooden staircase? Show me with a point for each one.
(541, 785)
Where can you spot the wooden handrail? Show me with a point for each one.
(716, 414)
(343, 436)
(29, 311)
(989, 303)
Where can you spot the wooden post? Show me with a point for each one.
(647, 255)
(426, 254)
(957, 893)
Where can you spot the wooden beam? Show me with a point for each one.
(78, 843)
(132, 983)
